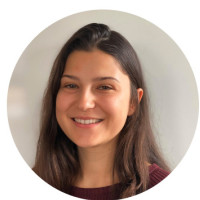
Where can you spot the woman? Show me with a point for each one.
(96, 140)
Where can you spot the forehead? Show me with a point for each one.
(95, 61)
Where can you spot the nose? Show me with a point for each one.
(86, 100)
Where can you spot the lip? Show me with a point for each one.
(85, 118)
(85, 125)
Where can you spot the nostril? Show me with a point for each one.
(86, 104)
(86, 97)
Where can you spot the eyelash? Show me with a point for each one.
(74, 86)
(105, 87)
(71, 86)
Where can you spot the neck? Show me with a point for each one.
(97, 166)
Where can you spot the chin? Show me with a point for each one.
(87, 144)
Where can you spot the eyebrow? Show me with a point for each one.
(95, 79)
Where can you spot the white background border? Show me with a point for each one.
(21, 21)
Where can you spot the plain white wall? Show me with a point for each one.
(169, 78)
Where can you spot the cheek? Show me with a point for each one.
(59, 103)
(116, 115)
(62, 102)
(116, 107)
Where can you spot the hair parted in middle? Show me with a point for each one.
(57, 160)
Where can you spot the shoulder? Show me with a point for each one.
(156, 175)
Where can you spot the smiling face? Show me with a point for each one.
(93, 101)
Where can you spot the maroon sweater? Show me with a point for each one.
(104, 193)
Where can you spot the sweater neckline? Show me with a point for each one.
(96, 188)
(152, 167)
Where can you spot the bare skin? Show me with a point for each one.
(97, 164)
(94, 86)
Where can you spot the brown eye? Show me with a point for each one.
(105, 87)
(71, 86)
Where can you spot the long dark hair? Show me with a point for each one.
(57, 159)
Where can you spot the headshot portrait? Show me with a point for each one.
(102, 105)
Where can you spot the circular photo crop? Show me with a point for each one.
(102, 105)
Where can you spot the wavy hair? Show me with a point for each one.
(57, 160)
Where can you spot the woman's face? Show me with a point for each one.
(93, 101)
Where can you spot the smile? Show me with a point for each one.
(87, 121)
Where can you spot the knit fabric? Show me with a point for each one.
(156, 174)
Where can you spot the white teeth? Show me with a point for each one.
(88, 121)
